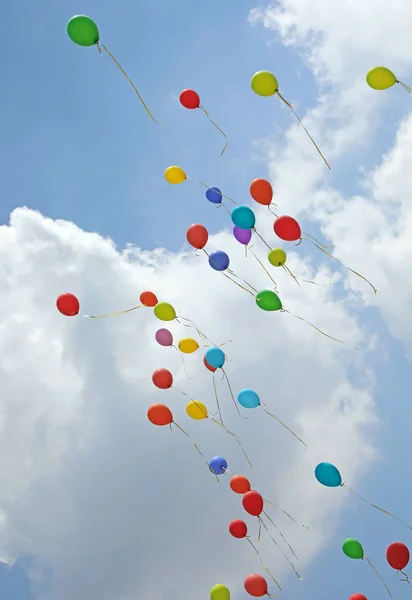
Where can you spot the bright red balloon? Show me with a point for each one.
(239, 484)
(397, 555)
(197, 236)
(207, 365)
(238, 529)
(148, 299)
(68, 305)
(358, 597)
(287, 229)
(163, 379)
(253, 503)
(189, 99)
(256, 585)
(160, 415)
(261, 191)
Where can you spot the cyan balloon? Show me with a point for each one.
(215, 357)
(328, 475)
(243, 217)
(214, 195)
(248, 398)
(218, 465)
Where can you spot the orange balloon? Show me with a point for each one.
(148, 299)
(239, 484)
(261, 191)
(160, 415)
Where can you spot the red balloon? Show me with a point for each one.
(256, 585)
(207, 365)
(68, 305)
(197, 236)
(261, 191)
(238, 529)
(148, 299)
(189, 99)
(160, 415)
(239, 484)
(287, 229)
(397, 555)
(358, 597)
(253, 503)
(163, 379)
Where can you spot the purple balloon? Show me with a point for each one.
(242, 235)
(164, 337)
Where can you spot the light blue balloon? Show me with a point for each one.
(328, 475)
(243, 217)
(248, 398)
(215, 357)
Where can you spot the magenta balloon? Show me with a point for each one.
(164, 337)
(242, 235)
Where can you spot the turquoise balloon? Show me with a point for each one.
(215, 357)
(243, 217)
(248, 398)
(328, 475)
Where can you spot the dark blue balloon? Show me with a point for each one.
(218, 465)
(214, 195)
(219, 260)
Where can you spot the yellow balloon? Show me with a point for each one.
(264, 83)
(164, 311)
(188, 345)
(277, 257)
(380, 78)
(219, 592)
(175, 175)
(196, 410)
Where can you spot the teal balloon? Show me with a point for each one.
(243, 217)
(248, 398)
(215, 357)
(328, 475)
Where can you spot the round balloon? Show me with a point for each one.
(287, 229)
(164, 337)
(83, 31)
(215, 357)
(277, 257)
(163, 379)
(352, 548)
(160, 415)
(209, 367)
(243, 217)
(238, 529)
(248, 398)
(256, 585)
(188, 345)
(239, 484)
(164, 311)
(242, 235)
(253, 503)
(268, 300)
(219, 592)
(196, 410)
(189, 99)
(219, 260)
(358, 597)
(197, 235)
(397, 555)
(264, 83)
(380, 78)
(218, 465)
(328, 475)
(148, 299)
(175, 175)
(261, 191)
(68, 305)
(214, 195)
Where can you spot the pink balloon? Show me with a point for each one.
(164, 337)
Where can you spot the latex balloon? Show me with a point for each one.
(218, 465)
(188, 345)
(397, 555)
(261, 191)
(83, 31)
(264, 83)
(214, 195)
(164, 311)
(256, 585)
(238, 529)
(243, 217)
(189, 99)
(253, 503)
(353, 549)
(268, 300)
(210, 368)
(148, 299)
(277, 257)
(175, 175)
(242, 235)
(239, 484)
(380, 78)
(197, 235)
(219, 260)
(219, 592)
(328, 475)
(358, 597)
(160, 415)
(164, 337)
(287, 229)
(248, 398)
(196, 410)
(68, 305)
(163, 379)
(215, 357)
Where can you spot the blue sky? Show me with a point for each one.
(76, 144)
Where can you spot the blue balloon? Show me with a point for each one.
(219, 260)
(215, 357)
(243, 217)
(328, 475)
(248, 398)
(214, 195)
(218, 465)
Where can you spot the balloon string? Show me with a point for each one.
(183, 361)
(217, 127)
(270, 208)
(259, 236)
(405, 579)
(314, 327)
(281, 534)
(227, 276)
(209, 188)
(131, 83)
(297, 279)
(217, 399)
(116, 314)
(318, 242)
(225, 207)
(192, 324)
(368, 560)
(279, 548)
(235, 438)
(260, 529)
(263, 267)
(285, 268)
(231, 391)
(283, 424)
(240, 279)
(196, 447)
(406, 87)
(261, 560)
(284, 512)
(374, 506)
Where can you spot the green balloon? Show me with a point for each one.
(83, 31)
(352, 548)
(268, 300)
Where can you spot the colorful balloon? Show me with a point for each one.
(353, 549)
(196, 410)
(328, 475)
(219, 592)
(160, 415)
(248, 398)
(238, 529)
(277, 257)
(380, 78)
(163, 379)
(68, 305)
(164, 337)
(209, 367)
(242, 235)
(256, 585)
(148, 299)
(243, 217)
(83, 31)
(164, 311)
(214, 195)
(219, 260)
(189, 99)
(197, 235)
(268, 300)
(264, 83)
(215, 357)
(253, 503)
(239, 484)
(261, 191)
(358, 597)
(188, 345)
(397, 555)
(218, 465)
(175, 175)
(287, 229)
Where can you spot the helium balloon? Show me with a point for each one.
(219, 592)
(164, 337)
(353, 549)
(219, 260)
(239, 484)
(287, 229)
(196, 410)
(188, 345)
(148, 299)
(380, 78)
(214, 195)
(261, 191)
(175, 175)
(164, 311)
(243, 217)
(215, 357)
(328, 475)
(218, 465)
(256, 585)
(83, 31)
(163, 379)
(248, 398)
(268, 300)
(397, 555)
(213, 369)
(242, 235)
(160, 415)
(264, 83)
(238, 529)
(197, 235)
(253, 503)
(358, 597)
(68, 305)
(189, 99)
(277, 257)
